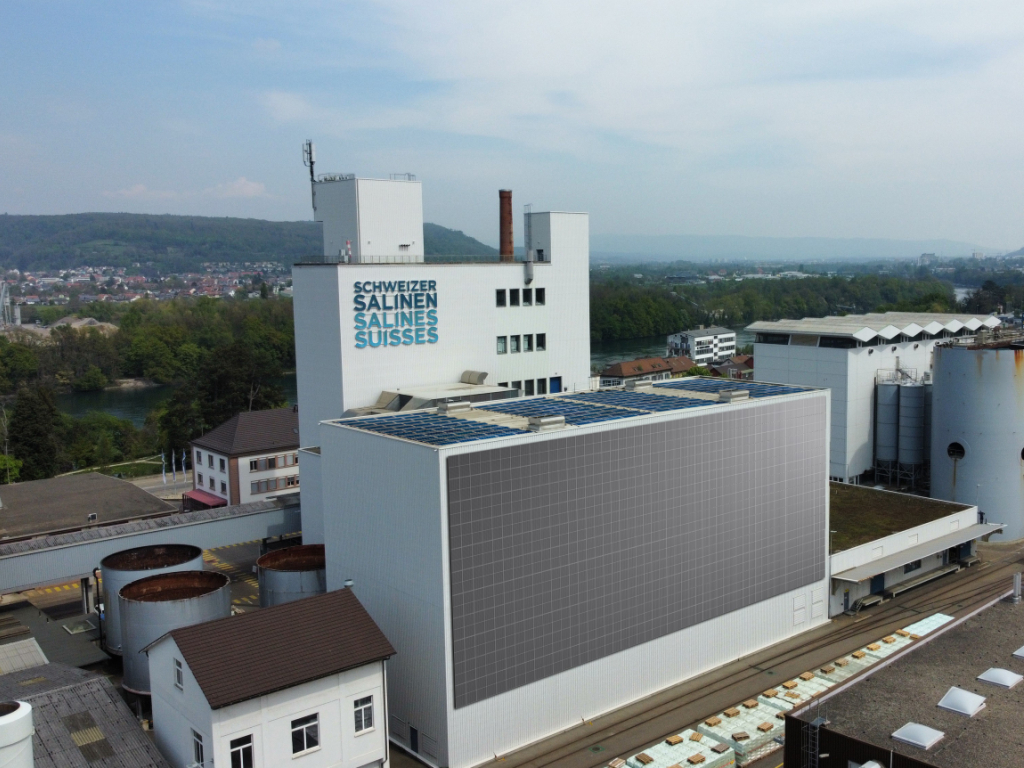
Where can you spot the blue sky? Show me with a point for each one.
(839, 119)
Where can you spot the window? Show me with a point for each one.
(197, 749)
(199, 458)
(363, 713)
(515, 343)
(213, 484)
(542, 386)
(527, 296)
(513, 297)
(540, 296)
(528, 343)
(517, 385)
(540, 254)
(223, 487)
(505, 384)
(179, 676)
(209, 460)
(502, 345)
(529, 387)
(253, 465)
(305, 734)
(241, 752)
(200, 478)
(499, 300)
(911, 567)
(223, 465)
(542, 342)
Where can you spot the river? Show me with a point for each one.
(135, 404)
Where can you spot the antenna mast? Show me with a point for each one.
(309, 158)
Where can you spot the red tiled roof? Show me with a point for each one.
(639, 367)
(206, 498)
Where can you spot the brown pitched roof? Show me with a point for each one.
(639, 367)
(679, 364)
(254, 432)
(251, 655)
(747, 360)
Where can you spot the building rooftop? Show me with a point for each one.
(639, 367)
(296, 642)
(65, 503)
(887, 325)
(714, 330)
(254, 432)
(909, 690)
(510, 418)
(80, 720)
(859, 514)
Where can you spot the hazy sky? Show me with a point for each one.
(843, 119)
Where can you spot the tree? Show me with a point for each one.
(35, 430)
(10, 469)
(90, 381)
(698, 370)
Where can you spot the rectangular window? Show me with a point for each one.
(911, 567)
(502, 345)
(213, 484)
(515, 343)
(223, 465)
(253, 465)
(179, 675)
(305, 734)
(223, 487)
(199, 458)
(262, 464)
(272, 462)
(503, 384)
(541, 296)
(527, 297)
(517, 385)
(528, 342)
(209, 460)
(198, 753)
(364, 714)
(542, 386)
(199, 477)
(254, 487)
(242, 752)
(499, 300)
(542, 342)
(513, 297)
(529, 387)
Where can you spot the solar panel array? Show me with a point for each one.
(574, 412)
(639, 401)
(718, 385)
(430, 428)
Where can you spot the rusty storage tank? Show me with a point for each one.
(292, 574)
(122, 568)
(153, 606)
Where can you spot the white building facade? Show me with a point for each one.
(846, 355)
(530, 579)
(704, 345)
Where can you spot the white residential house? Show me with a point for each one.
(703, 345)
(249, 457)
(300, 684)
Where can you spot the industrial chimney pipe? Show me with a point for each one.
(505, 251)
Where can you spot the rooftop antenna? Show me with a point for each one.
(309, 157)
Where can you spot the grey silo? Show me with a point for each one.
(292, 574)
(911, 425)
(887, 421)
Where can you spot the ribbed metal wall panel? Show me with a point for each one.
(887, 421)
(911, 450)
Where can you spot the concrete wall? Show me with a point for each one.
(382, 219)
(178, 712)
(246, 476)
(221, 477)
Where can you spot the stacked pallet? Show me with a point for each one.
(685, 749)
(750, 729)
(796, 692)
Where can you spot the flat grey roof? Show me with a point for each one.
(61, 503)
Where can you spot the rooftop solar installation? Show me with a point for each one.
(430, 428)
(639, 401)
(755, 389)
(574, 412)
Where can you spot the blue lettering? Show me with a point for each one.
(374, 303)
(374, 321)
(396, 338)
(419, 335)
(431, 335)
(407, 336)
(433, 284)
(431, 317)
(405, 301)
(360, 302)
(366, 287)
(386, 324)
(357, 286)
(389, 287)
(380, 337)
(376, 287)
(431, 299)
(406, 318)
(360, 339)
(419, 317)
(360, 320)
(417, 301)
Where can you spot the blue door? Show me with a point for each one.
(556, 385)
(878, 584)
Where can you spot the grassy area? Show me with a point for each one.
(860, 514)
(129, 469)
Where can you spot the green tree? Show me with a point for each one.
(698, 370)
(35, 431)
(10, 469)
(90, 381)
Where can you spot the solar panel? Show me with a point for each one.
(574, 412)
(430, 428)
(755, 389)
(641, 401)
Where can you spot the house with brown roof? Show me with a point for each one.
(250, 457)
(300, 681)
(641, 369)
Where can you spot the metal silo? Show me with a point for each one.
(911, 434)
(887, 422)
(153, 606)
(130, 565)
(292, 574)
(16, 734)
(978, 430)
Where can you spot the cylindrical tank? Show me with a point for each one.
(978, 432)
(927, 386)
(292, 574)
(153, 606)
(887, 421)
(911, 437)
(130, 565)
(16, 734)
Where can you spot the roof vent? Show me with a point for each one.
(917, 735)
(1001, 677)
(640, 385)
(473, 377)
(962, 702)
(546, 423)
(1019, 653)
(732, 395)
(460, 406)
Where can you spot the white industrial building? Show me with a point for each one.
(848, 354)
(703, 345)
(539, 561)
(379, 329)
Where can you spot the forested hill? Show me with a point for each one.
(179, 243)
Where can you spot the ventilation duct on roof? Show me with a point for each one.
(731, 395)
(546, 423)
(460, 406)
(917, 735)
(1001, 677)
(962, 702)
(1019, 653)
(639, 385)
(473, 377)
